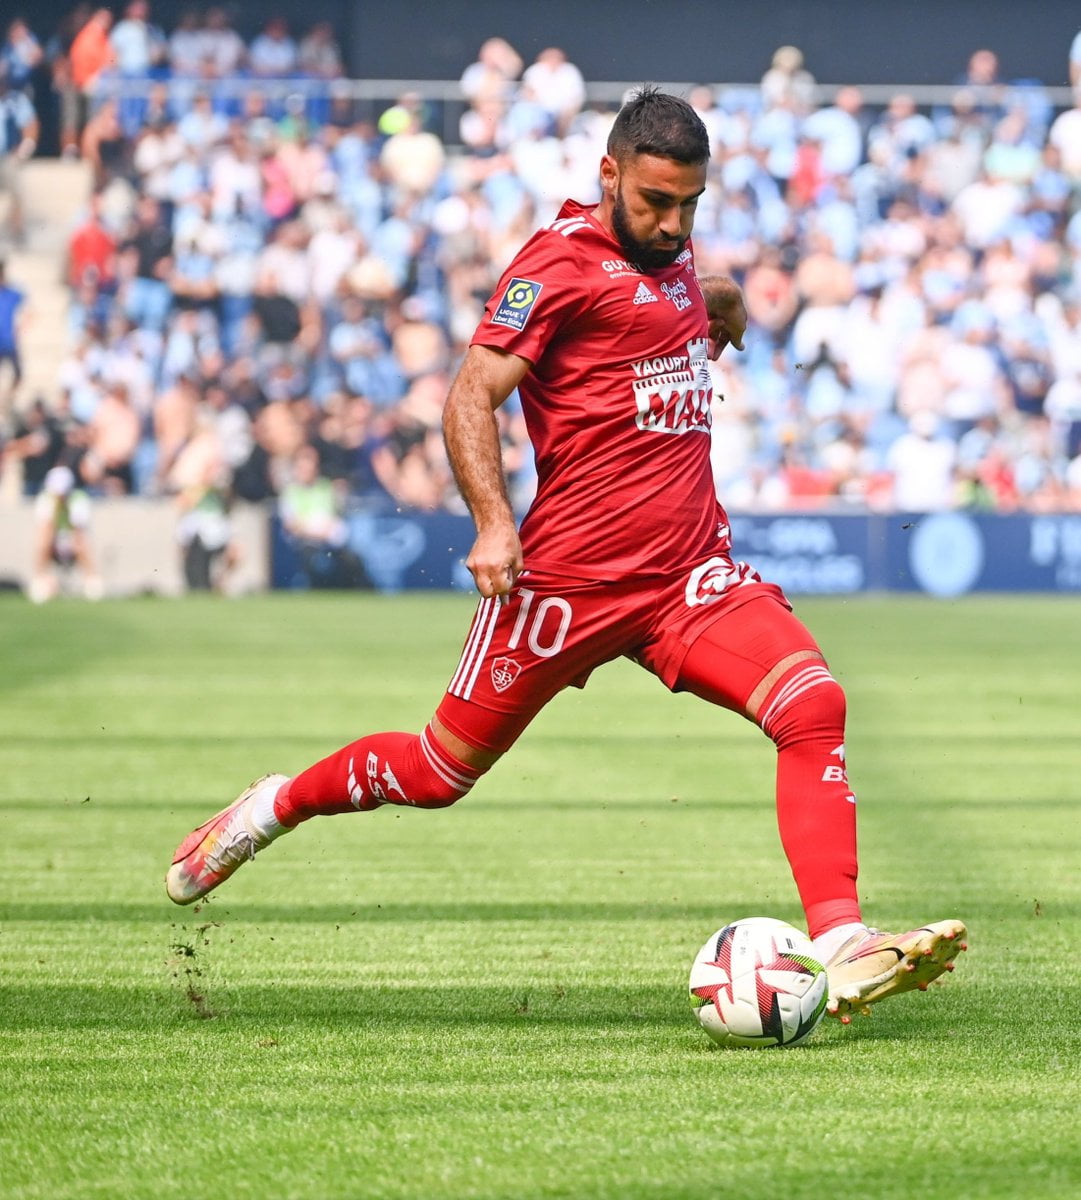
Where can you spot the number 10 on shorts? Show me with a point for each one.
(547, 624)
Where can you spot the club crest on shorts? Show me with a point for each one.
(517, 303)
(504, 672)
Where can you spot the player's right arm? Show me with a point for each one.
(486, 378)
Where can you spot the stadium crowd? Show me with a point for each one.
(259, 274)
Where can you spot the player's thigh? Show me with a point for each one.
(737, 659)
(548, 635)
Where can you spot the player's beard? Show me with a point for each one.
(646, 255)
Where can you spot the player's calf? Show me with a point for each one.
(384, 768)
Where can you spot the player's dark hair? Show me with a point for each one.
(653, 122)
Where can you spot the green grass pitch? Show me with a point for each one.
(490, 1001)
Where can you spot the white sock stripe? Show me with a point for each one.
(482, 648)
(807, 685)
(779, 705)
(794, 688)
(440, 770)
(470, 645)
(785, 691)
(816, 671)
(430, 745)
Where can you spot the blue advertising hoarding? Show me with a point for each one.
(942, 554)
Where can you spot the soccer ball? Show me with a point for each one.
(757, 982)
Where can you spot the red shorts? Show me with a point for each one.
(552, 632)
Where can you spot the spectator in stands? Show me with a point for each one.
(194, 280)
(413, 158)
(105, 147)
(147, 262)
(37, 442)
(310, 509)
(187, 45)
(922, 463)
(113, 437)
(358, 349)
(139, 48)
(273, 53)
(1065, 136)
(954, 159)
(224, 52)
(20, 55)
(557, 85)
(305, 161)
(982, 82)
(234, 178)
(838, 131)
(58, 54)
(717, 122)
(201, 127)
(481, 129)
(204, 531)
(333, 248)
(902, 133)
(92, 250)
(91, 55)
(199, 478)
(62, 537)
(12, 322)
(1010, 155)
(987, 209)
(319, 54)
(19, 128)
(787, 83)
(158, 149)
(498, 65)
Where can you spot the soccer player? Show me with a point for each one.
(603, 327)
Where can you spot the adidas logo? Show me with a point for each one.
(644, 295)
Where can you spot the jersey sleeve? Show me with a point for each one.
(540, 292)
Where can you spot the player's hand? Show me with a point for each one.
(495, 561)
(726, 311)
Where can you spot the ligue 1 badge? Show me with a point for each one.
(517, 303)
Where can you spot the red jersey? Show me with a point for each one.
(617, 404)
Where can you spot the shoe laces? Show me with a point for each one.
(237, 844)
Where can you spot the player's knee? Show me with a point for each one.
(439, 778)
(808, 703)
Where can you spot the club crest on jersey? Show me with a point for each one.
(504, 672)
(517, 303)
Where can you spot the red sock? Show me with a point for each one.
(816, 810)
(384, 768)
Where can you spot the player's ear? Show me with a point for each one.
(609, 174)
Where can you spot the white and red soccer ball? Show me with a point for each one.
(757, 983)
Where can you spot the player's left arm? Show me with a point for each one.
(726, 310)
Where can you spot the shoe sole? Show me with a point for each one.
(176, 878)
(929, 956)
